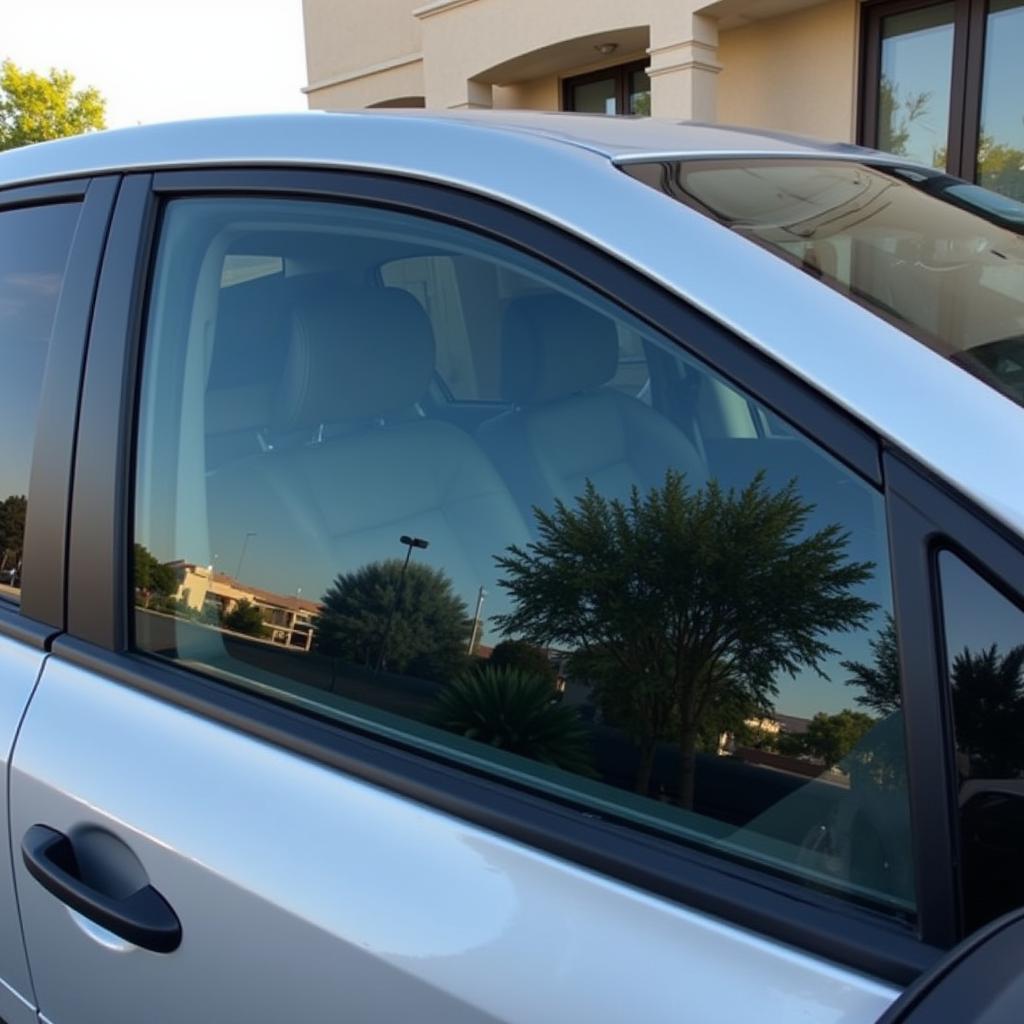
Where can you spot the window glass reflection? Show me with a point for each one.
(590, 565)
(985, 662)
(914, 88)
(1001, 142)
(596, 97)
(34, 246)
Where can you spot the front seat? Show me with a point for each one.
(351, 463)
(566, 426)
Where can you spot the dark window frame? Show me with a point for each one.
(99, 598)
(41, 611)
(970, 22)
(619, 72)
(927, 517)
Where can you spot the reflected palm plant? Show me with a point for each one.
(509, 709)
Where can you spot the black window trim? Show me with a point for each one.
(929, 517)
(41, 610)
(99, 599)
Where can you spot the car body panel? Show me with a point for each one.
(21, 666)
(567, 176)
(306, 894)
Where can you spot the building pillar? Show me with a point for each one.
(684, 68)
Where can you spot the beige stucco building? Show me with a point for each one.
(780, 64)
(940, 82)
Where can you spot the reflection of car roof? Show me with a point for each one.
(560, 168)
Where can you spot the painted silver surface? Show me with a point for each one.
(20, 669)
(307, 895)
(561, 168)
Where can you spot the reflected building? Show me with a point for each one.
(289, 619)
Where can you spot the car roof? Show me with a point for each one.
(300, 137)
(563, 169)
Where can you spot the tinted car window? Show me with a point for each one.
(460, 301)
(608, 582)
(985, 661)
(34, 246)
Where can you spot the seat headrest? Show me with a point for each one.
(553, 346)
(353, 354)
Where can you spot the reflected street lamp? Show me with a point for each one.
(410, 543)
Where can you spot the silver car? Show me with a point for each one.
(507, 568)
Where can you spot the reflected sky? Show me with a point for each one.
(975, 614)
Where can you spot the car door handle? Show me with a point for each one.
(144, 918)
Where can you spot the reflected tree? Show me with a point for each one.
(12, 530)
(896, 115)
(512, 710)
(830, 738)
(680, 598)
(245, 618)
(528, 658)
(880, 680)
(988, 704)
(152, 578)
(429, 629)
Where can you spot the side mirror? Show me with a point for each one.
(981, 981)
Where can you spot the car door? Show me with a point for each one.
(268, 772)
(50, 242)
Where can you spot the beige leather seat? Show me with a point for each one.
(352, 464)
(566, 426)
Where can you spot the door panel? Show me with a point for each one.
(19, 669)
(306, 895)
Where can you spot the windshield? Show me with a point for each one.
(941, 259)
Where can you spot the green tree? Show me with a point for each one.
(246, 618)
(830, 738)
(12, 529)
(528, 658)
(429, 630)
(880, 680)
(682, 597)
(512, 710)
(152, 578)
(37, 108)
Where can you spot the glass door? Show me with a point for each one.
(943, 84)
(625, 89)
(1000, 159)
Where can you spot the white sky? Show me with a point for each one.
(160, 61)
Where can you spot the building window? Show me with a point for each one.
(942, 84)
(625, 89)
